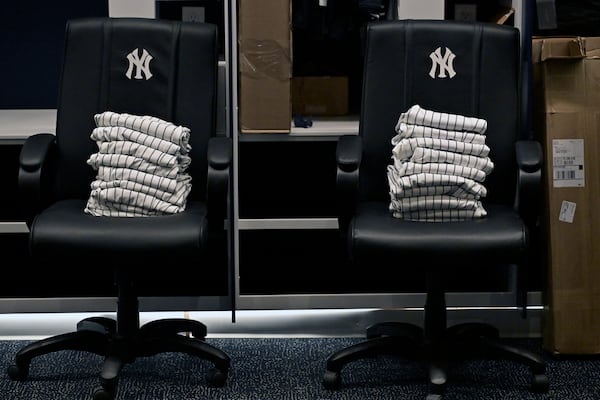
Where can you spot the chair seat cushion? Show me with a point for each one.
(375, 235)
(65, 229)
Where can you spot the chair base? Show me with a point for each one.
(459, 342)
(123, 340)
(99, 335)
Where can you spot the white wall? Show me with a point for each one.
(420, 9)
(131, 8)
(279, 323)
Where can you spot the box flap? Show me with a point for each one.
(557, 48)
(546, 48)
(592, 47)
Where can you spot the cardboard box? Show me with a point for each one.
(320, 95)
(566, 106)
(265, 69)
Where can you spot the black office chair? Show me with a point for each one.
(477, 74)
(139, 67)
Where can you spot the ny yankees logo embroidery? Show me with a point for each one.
(445, 63)
(141, 64)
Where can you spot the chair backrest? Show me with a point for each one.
(470, 69)
(165, 69)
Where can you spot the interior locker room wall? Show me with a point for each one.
(31, 47)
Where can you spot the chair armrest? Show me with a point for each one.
(220, 159)
(348, 157)
(348, 153)
(220, 152)
(529, 157)
(36, 161)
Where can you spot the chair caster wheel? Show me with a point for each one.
(216, 378)
(332, 380)
(17, 373)
(540, 383)
(103, 394)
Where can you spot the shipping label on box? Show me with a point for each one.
(568, 163)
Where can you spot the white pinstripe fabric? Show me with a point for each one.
(407, 131)
(425, 155)
(124, 161)
(140, 164)
(428, 215)
(436, 202)
(409, 168)
(177, 197)
(146, 124)
(112, 209)
(110, 134)
(127, 198)
(439, 163)
(126, 174)
(433, 184)
(453, 122)
(144, 152)
(405, 148)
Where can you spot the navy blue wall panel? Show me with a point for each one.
(31, 47)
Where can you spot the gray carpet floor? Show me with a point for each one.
(292, 369)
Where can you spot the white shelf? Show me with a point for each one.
(287, 223)
(18, 125)
(328, 126)
(13, 227)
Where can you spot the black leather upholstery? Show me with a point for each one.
(179, 86)
(399, 73)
